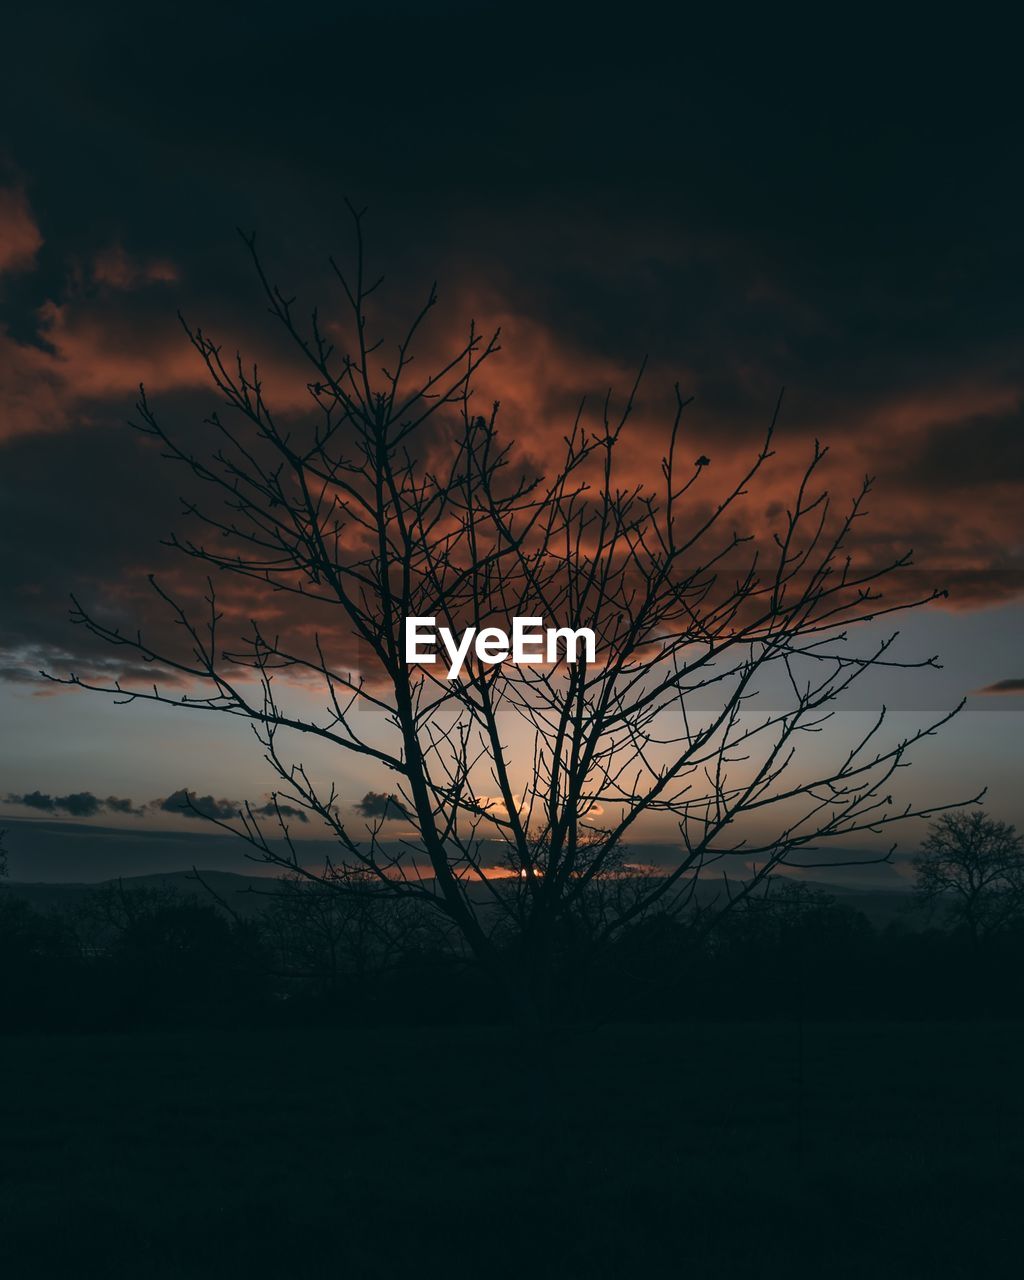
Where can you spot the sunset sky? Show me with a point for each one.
(840, 216)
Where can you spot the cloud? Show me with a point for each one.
(79, 356)
(84, 804)
(20, 238)
(79, 804)
(114, 268)
(497, 806)
(1012, 685)
(272, 810)
(116, 805)
(189, 805)
(380, 804)
(186, 803)
(906, 372)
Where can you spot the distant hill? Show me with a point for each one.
(240, 892)
(47, 851)
(246, 895)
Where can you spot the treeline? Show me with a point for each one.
(143, 957)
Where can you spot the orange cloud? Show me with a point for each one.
(114, 268)
(20, 238)
(940, 444)
(94, 347)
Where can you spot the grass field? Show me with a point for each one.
(705, 1151)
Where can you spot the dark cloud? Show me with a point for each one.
(865, 253)
(380, 804)
(189, 805)
(84, 804)
(115, 805)
(79, 804)
(1012, 685)
(271, 810)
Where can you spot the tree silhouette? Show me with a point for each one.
(971, 872)
(391, 498)
(333, 935)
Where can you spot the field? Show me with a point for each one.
(702, 1151)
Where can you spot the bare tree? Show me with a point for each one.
(320, 934)
(110, 909)
(393, 498)
(971, 872)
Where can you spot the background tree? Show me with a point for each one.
(392, 497)
(111, 908)
(970, 872)
(343, 938)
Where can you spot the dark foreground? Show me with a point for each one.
(707, 1151)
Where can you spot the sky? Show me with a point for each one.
(834, 210)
